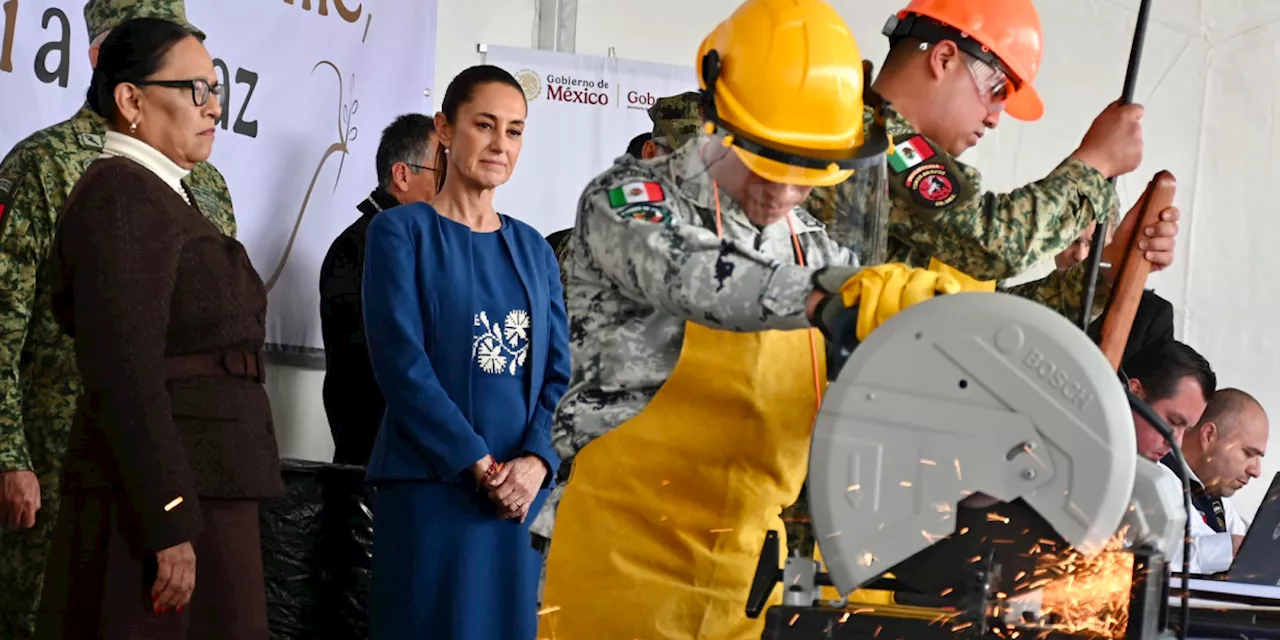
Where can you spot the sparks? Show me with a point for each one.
(854, 487)
(794, 617)
(721, 530)
(1086, 595)
(905, 483)
(959, 476)
(928, 462)
(995, 517)
(547, 610)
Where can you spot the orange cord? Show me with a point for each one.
(813, 343)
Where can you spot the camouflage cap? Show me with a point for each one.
(676, 119)
(101, 16)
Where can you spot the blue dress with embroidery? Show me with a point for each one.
(443, 540)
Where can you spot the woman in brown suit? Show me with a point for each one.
(173, 446)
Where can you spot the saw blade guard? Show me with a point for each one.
(1157, 515)
(973, 393)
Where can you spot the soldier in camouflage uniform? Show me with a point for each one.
(940, 216)
(691, 277)
(38, 378)
(984, 237)
(675, 121)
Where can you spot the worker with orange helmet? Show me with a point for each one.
(694, 281)
(955, 67)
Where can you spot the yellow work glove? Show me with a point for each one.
(879, 292)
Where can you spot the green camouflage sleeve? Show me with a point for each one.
(25, 237)
(1063, 291)
(1000, 235)
(212, 197)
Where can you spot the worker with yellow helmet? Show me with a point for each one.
(693, 284)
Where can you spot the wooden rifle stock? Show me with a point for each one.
(1131, 276)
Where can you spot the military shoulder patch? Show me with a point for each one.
(933, 185)
(924, 179)
(635, 193)
(7, 184)
(910, 153)
(645, 213)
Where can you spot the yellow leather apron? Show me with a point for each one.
(966, 282)
(661, 524)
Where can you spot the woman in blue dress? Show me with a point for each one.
(469, 342)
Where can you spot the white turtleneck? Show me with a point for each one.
(121, 145)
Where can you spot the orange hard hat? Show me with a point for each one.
(1009, 29)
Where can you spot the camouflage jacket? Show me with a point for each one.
(638, 272)
(38, 378)
(986, 235)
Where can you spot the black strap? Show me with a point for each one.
(1210, 508)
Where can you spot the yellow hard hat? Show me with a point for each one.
(783, 79)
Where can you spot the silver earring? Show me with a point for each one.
(446, 150)
(133, 128)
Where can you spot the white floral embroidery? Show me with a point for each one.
(501, 348)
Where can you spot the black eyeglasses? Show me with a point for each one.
(200, 89)
(418, 166)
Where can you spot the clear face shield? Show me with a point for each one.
(846, 190)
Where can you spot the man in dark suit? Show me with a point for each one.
(406, 173)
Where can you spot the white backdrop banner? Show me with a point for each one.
(310, 84)
(583, 110)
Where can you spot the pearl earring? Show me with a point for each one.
(133, 128)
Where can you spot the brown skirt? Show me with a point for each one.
(94, 581)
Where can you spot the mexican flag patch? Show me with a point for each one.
(910, 153)
(634, 193)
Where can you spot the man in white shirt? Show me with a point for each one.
(1224, 452)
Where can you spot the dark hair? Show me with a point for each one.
(1161, 365)
(460, 92)
(133, 51)
(407, 139)
(635, 148)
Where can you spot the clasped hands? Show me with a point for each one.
(514, 486)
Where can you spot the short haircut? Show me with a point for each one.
(1226, 406)
(407, 139)
(1161, 365)
(635, 148)
(901, 52)
(131, 52)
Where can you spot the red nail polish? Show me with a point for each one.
(179, 609)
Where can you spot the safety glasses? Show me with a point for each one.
(993, 84)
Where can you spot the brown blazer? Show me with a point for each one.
(140, 277)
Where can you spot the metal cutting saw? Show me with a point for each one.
(974, 473)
